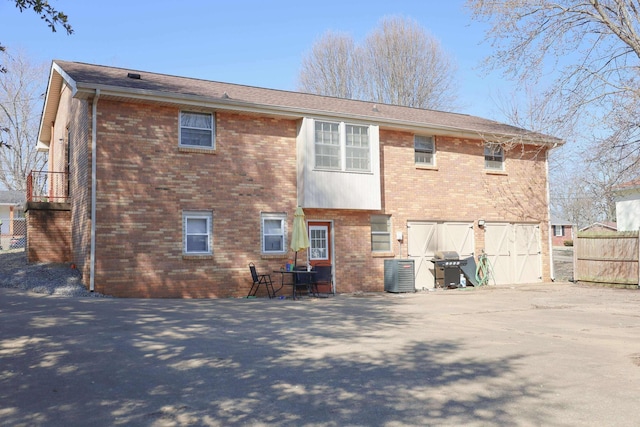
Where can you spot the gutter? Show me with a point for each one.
(94, 137)
(231, 104)
(552, 268)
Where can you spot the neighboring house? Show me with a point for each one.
(600, 227)
(561, 232)
(177, 184)
(628, 206)
(11, 218)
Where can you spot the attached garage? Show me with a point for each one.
(425, 238)
(514, 251)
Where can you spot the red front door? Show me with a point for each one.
(320, 247)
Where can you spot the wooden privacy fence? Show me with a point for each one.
(607, 258)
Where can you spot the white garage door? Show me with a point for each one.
(514, 252)
(424, 239)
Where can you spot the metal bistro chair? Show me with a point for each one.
(260, 279)
(323, 277)
(302, 280)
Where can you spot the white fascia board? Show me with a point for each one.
(52, 99)
(231, 104)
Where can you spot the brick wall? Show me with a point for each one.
(145, 181)
(559, 240)
(48, 232)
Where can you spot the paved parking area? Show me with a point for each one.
(547, 355)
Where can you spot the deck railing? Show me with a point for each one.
(43, 186)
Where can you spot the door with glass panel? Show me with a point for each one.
(320, 246)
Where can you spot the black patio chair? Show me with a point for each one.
(302, 280)
(260, 279)
(323, 277)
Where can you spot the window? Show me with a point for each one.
(198, 231)
(558, 230)
(380, 233)
(318, 243)
(340, 146)
(327, 145)
(493, 157)
(273, 233)
(196, 130)
(424, 150)
(357, 148)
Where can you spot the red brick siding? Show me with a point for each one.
(48, 233)
(459, 188)
(145, 182)
(559, 240)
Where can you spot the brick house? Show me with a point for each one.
(175, 185)
(561, 232)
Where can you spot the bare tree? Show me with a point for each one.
(402, 64)
(398, 63)
(331, 68)
(47, 13)
(591, 47)
(21, 95)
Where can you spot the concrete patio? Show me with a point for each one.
(545, 354)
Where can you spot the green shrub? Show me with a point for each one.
(568, 242)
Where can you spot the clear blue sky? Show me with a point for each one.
(251, 42)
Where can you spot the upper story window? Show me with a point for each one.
(327, 145)
(341, 146)
(197, 232)
(425, 149)
(197, 130)
(493, 157)
(273, 233)
(357, 148)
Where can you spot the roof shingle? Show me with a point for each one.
(89, 76)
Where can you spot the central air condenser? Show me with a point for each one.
(399, 275)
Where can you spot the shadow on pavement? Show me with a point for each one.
(335, 362)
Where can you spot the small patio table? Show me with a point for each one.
(282, 272)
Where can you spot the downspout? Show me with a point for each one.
(552, 268)
(94, 137)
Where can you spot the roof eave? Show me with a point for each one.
(57, 77)
(230, 104)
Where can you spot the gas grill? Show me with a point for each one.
(447, 270)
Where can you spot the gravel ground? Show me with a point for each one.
(42, 278)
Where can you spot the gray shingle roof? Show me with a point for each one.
(90, 77)
(11, 197)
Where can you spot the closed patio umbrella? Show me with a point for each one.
(299, 237)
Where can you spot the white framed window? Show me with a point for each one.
(318, 243)
(327, 145)
(273, 233)
(342, 147)
(380, 233)
(425, 149)
(197, 232)
(197, 130)
(558, 230)
(493, 157)
(357, 148)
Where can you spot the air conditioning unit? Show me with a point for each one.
(399, 275)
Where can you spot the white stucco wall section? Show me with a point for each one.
(337, 189)
(628, 211)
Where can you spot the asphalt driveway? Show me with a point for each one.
(547, 355)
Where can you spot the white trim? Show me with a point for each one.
(208, 216)
(212, 129)
(271, 216)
